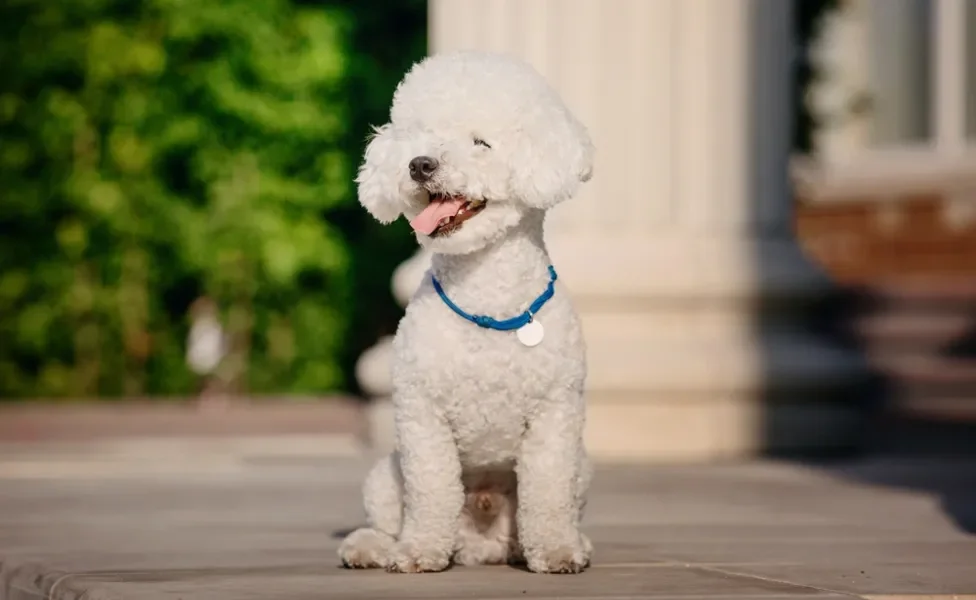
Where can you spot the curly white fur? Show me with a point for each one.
(490, 465)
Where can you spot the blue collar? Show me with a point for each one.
(508, 324)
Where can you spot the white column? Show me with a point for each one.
(950, 68)
(684, 228)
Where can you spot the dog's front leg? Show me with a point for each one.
(550, 484)
(433, 493)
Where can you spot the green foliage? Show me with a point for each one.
(155, 151)
(807, 16)
(386, 38)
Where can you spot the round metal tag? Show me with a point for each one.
(531, 333)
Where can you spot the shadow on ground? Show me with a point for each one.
(918, 450)
(950, 479)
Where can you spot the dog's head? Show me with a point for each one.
(475, 141)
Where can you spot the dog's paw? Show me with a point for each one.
(561, 559)
(366, 549)
(410, 557)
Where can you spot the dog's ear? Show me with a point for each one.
(378, 178)
(553, 158)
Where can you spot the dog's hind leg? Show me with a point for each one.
(371, 547)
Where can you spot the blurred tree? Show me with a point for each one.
(158, 151)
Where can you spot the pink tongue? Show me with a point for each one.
(426, 222)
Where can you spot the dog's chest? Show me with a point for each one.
(453, 357)
(485, 382)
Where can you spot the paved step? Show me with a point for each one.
(865, 529)
(919, 335)
(929, 406)
(162, 418)
(929, 329)
(927, 369)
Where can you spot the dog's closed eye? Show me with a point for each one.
(481, 142)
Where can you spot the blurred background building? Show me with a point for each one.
(888, 201)
(704, 310)
(777, 251)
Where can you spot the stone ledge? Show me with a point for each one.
(723, 428)
(656, 366)
(681, 429)
(77, 420)
(114, 458)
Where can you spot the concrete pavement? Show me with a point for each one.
(262, 517)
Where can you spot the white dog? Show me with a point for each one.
(489, 359)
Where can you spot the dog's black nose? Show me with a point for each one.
(422, 167)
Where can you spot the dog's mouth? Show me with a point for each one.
(445, 214)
